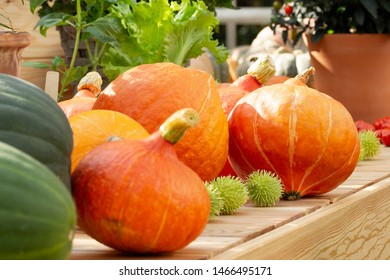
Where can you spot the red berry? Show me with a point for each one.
(363, 125)
(385, 137)
(288, 9)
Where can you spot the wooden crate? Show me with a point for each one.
(350, 222)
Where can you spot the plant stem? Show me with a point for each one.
(76, 47)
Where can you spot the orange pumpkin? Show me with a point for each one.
(304, 136)
(259, 73)
(94, 127)
(150, 93)
(87, 90)
(137, 196)
(277, 80)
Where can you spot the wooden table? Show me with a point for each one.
(350, 222)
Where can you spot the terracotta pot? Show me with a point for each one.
(12, 45)
(355, 70)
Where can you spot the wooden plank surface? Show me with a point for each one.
(350, 222)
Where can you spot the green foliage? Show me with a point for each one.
(119, 35)
(328, 17)
(158, 31)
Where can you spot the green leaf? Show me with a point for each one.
(34, 4)
(105, 29)
(371, 6)
(50, 20)
(159, 31)
(360, 16)
(36, 64)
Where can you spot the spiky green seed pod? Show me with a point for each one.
(264, 188)
(233, 192)
(369, 144)
(215, 199)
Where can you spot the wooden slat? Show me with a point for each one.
(356, 227)
(350, 222)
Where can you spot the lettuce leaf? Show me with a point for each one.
(161, 30)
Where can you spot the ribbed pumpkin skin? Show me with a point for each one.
(94, 127)
(150, 93)
(306, 137)
(137, 196)
(31, 121)
(37, 213)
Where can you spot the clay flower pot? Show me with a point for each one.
(355, 70)
(12, 45)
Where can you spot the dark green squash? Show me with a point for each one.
(37, 212)
(31, 121)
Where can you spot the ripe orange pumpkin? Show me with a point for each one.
(150, 93)
(137, 196)
(304, 136)
(94, 127)
(88, 89)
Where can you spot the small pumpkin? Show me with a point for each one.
(312, 149)
(94, 127)
(137, 196)
(37, 213)
(150, 93)
(88, 89)
(31, 121)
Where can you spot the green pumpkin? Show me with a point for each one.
(37, 212)
(31, 121)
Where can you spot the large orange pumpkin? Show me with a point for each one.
(306, 137)
(137, 196)
(150, 93)
(94, 127)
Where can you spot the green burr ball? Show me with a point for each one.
(264, 188)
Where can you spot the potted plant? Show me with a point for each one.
(349, 45)
(12, 44)
(111, 36)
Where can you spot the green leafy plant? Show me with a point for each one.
(159, 31)
(119, 35)
(330, 16)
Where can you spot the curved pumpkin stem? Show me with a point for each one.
(305, 75)
(177, 124)
(262, 69)
(92, 82)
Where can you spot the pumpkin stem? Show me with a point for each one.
(177, 124)
(305, 75)
(291, 195)
(262, 69)
(92, 81)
